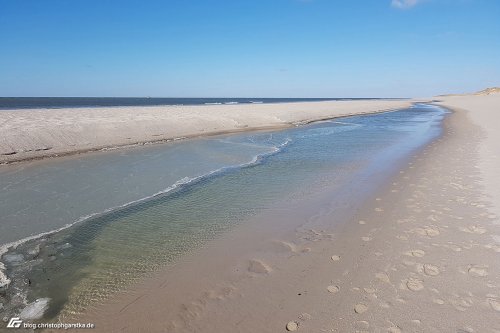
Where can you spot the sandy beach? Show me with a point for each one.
(37, 133)
(250, 166)
(419, 256)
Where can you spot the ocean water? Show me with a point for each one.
(140, 210)
(72, 102)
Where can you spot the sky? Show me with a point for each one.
(248, 48)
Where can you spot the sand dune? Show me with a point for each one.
(489, 91)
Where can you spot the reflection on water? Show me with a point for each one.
(84, 264)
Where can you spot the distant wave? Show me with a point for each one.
(186, 181)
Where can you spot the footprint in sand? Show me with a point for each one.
(416, 253)
(461, 304)
(284, 246)
(454, 247)
(333, 289)
(369, 290)
(432, 218)
(473, 229)
(361, 222)
(384, 305)
(409, 263)
(361, 325)
(401, 300)
(478, 270)
(493, 247)
(378, 209)
(335, 257)
(257, 266)
(393, 329)
(413, 284)
(383, 277)
(366, 239)
(360, 308)
(220, 294)
(431, 270)
(495, 305)
(305, 316)
(431, 232)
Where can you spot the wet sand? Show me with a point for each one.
(38, 133)
(419, 256)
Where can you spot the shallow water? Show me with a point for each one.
(46, 195)
(229, 178)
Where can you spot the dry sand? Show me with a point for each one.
(484, 111)
(28, 134)
(420, 256)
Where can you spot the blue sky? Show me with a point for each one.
(248, 48)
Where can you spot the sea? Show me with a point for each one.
(9, 103)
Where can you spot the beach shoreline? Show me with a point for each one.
(331, 262)
(432, 223)
(359, 133)
(31, 134)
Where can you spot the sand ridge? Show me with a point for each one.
(37, 133)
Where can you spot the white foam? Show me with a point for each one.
(35, 310)
(344, 123)
(4, 281)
